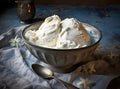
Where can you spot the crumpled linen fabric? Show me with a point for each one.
(16, 71)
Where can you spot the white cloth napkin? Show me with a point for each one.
(16, 72)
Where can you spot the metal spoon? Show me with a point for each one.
(47, 73)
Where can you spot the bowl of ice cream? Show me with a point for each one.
(61, 44)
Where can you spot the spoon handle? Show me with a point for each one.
(67, 85)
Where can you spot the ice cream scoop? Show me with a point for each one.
(72, 35)
(48, 32)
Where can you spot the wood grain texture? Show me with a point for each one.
(83, 2)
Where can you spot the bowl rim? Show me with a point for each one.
(55, 49)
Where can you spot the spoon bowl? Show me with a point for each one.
(42, 71)
(48, 74)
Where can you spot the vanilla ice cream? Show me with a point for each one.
(60, 34)
(47, 33)
(72, 35)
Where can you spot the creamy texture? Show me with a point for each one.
(60, 34)
(47, 33)
(72, 35)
